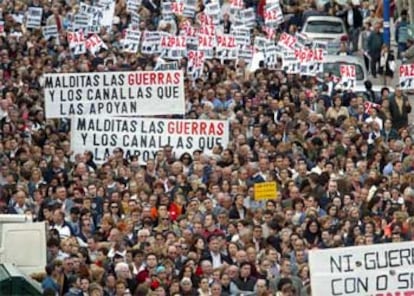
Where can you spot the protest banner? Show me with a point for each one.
(34, 17)
(76, 42)
(95, 14)
(50, 32)
(265, 190)
(114, 93)
(406, 76)
(143, 137)
(348, 77)
(378, 270)
(94, 44)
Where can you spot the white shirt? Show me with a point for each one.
(216, 260)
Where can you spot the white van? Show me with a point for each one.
(23, 244)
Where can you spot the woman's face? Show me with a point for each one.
(332, 211)
(313, 227)
(200, 244)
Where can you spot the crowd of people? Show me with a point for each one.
(189, 224)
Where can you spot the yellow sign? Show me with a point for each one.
(265, 190)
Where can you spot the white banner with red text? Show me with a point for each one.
(143, 137)
(114, 94)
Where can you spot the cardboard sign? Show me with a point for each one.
(144, 137)
(76, 42)
(34, 17)
(348, 77)
(406, 72)
(114, 94)
(379, 270)
(50, 32)
(265, 190)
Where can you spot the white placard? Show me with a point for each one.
(379, 270)
(173, 47)
(131, 41)
(144, 137)
(206, 44)
(76, 42)
(213, 10)
(114, 94)
(195, 64)
(311, 60)
(34, 17)
(94, 44)
(289, 63)
(406, 72)
(190, 7)
(81, 22)
(226, 47)
(50, 32)
(95, 14)
(151, 42)
(287, 41)
(166, 66)
(133, 5)
(348, 77)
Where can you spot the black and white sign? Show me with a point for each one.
(34, 17)
(143, 137)
(114, 93)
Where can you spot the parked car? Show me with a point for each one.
(332, 65)
(330, 30)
